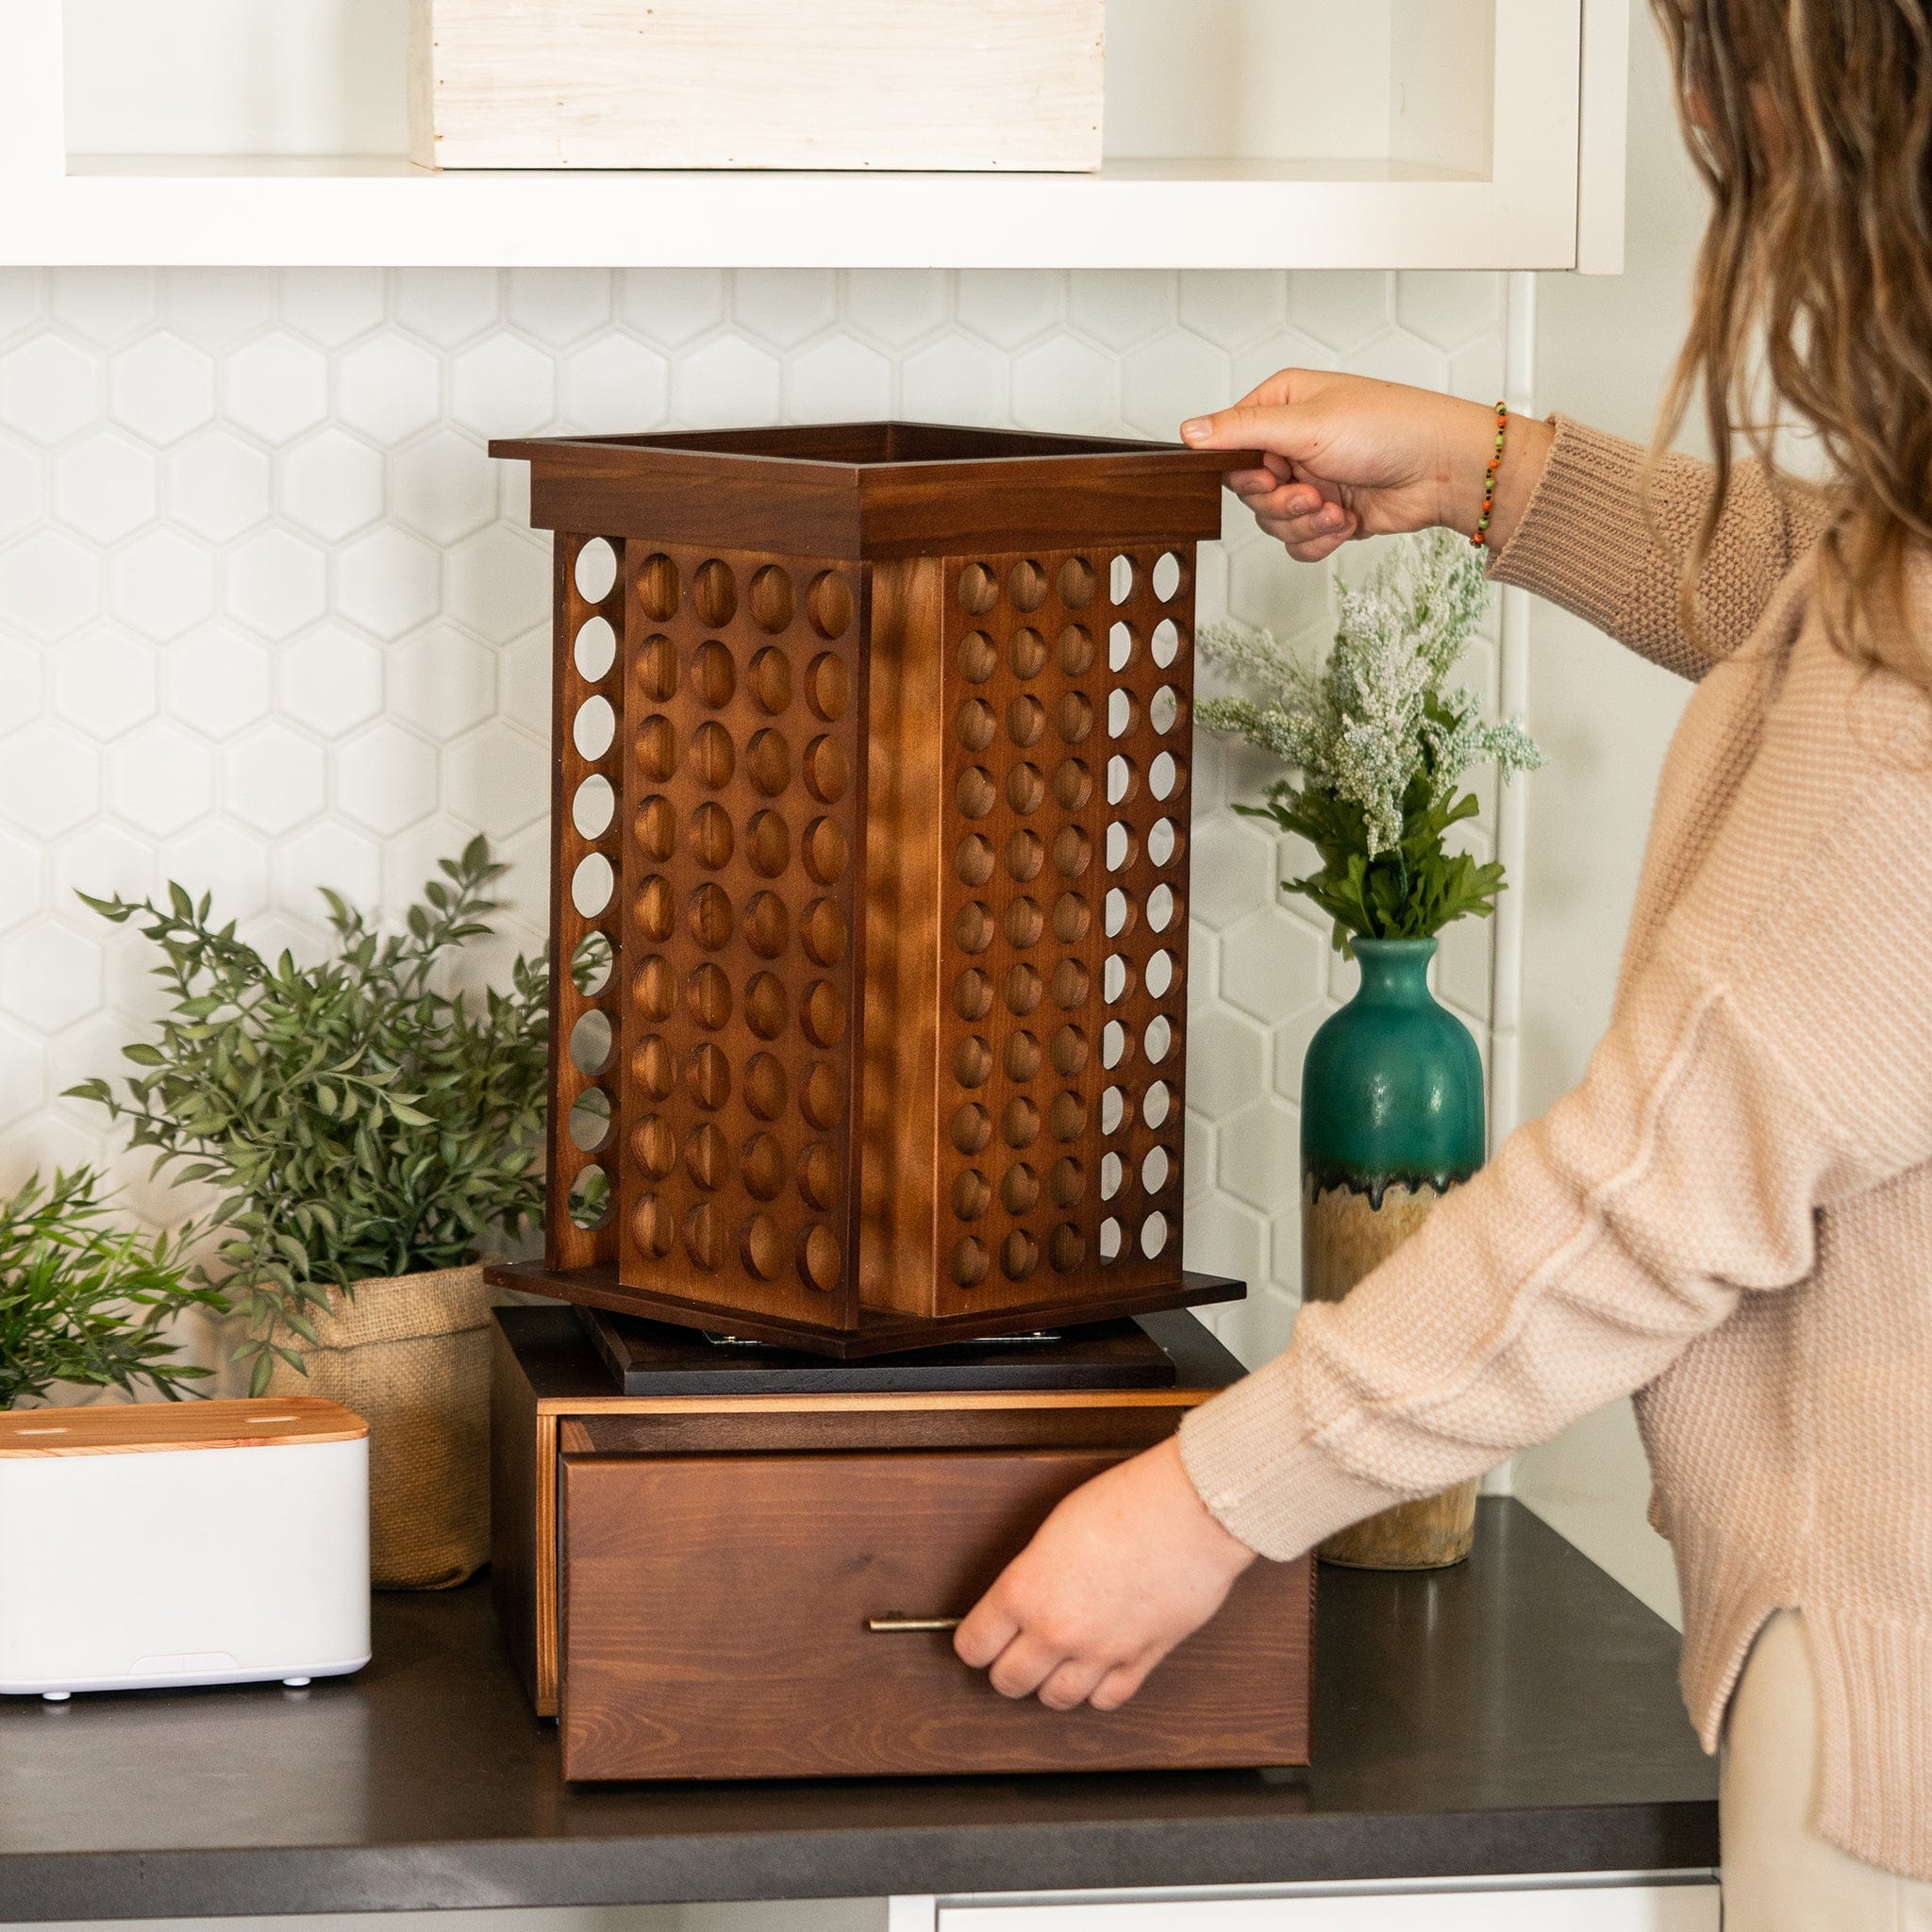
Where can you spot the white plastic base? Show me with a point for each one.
(184, 1680)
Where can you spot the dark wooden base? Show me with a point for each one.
(878, 1332)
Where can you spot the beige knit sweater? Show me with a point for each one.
(1732, 1215)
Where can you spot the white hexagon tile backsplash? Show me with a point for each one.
(271, 618)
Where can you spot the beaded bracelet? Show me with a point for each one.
(1481, 535)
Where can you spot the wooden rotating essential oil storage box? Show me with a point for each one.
(746, 1564)
(870, 877)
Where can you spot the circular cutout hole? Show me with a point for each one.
(828, 687)
(1020, 1122)
(1122, 781)
(1110, 1171)
(1070, 984)
(972, 1127)
(713, 757)
(590, 1198)
(1075, 584)
(1113, 1043)
(1162, 973)
(973, 1062)
(1067, 1182)
(595, 650)
(711, 836)
(1026, 653)
(1120, 580)
(708, 1075)
(1069, 1052)
(973, 862)
(1116, 979)
(1025, 854)
(654, 989)
(972, 1195)
(972, 926)
(826, 772)
(768, 759)
(705, 1156)
(591, 961)
(762, 1165)
(1071, 919)
(1026, 585)
(1157, 1042)
(822, 1014)
(714, 591)
(1157, 1105)
(589, 1044)
(656, 827)
(594, 727)
(1154, 1234)
(979, 589)
(1119, 647)
(1074, 650)
(1160, 902)
(1024, 923)
(978, 660)
(1072, 852)
(1120, 913)
(766, 1008)
(1163, 841)
(593, 806)
(767, 843)
(1163, 776)
(1026, 787)
(972, 994)
(1121, 714)
(771, 598)
(654, 1146)
(762, 1247)
(1018, 1255)
(1073, 784)
(714, 675)
(1166, 576)
(1155, 1169)
(1019, 1189)
(592, 884)
(713, 917)
(765, 1087)
(1165, 646)
(1123, 847)
(708, 993)
(657, 747)
(975, 727)
(767, 925)
(657, 669)
(657, 587)
(828, 604)
(969, 1262)
(827, 851)
(589, 1120)
(1025, 721)
(1022, 991)
(769, 680)
(595, 570)
(1021, 1055)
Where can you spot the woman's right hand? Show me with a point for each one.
(1347, 456)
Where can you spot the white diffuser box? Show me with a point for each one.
(149, 1544)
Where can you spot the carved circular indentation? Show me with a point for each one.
(1076, 582)
(769, 680)
(1024, 855)
(1073, 784)
(760, 1246)
(973, 1062)
(827, 851)
(1074, 650)
(1024, 923)
(972, 1127)
(1025, 721)
(1072, 852)
(711, 836)
(771, 598)
(828, 604)
(818, 1177)
(822, 1099)
(969, 1262)
(711, 917)
(768, 759)
(594, 727)
(767, 843)
(1067, 1248)
(657, 909)
(651, 1223)
(1025, 786)
(1069, 1051)
(708, 993)
(1070, 983)
(827, 771)
(594, 570)
(657, 669)
(767, 925)
(822, 1013)
(978, 660)
(708, 1073)
(656, 827)
(704, 1237)
(766, 1008)
(1027, 652)
(654, 989)
(972, 995)
(714, 592)
(706, 1158)
(765, 1085)
(1071, 916)
(1067, 1182)
(973, 862)
(1021, 1055)
(979, 589)
(713, 756)
(1018, 1255)
(1019, 1189)
(1019, 1122)
(974, 792)
(823, 932)
(819, 1259)
(972, 926)
(654, 1066)
(1026, 585)
(1073, 717)
(762, 1165)
(828, 687)
(657, 587)
(975, 727)
(714, 675)
(653, 1146)
(972, 1197)
(657, 747)
(1066, 1119)
(1023, 989)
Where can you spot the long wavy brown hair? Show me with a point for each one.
(1811, 122)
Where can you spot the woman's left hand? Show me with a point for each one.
(1122, 1570)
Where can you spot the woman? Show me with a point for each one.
(1732, 1215)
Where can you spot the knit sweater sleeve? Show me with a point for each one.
(1769, 1057)
(1586, 543)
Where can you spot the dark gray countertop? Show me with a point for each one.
(1517, 1715)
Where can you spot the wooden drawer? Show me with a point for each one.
(716, 1611)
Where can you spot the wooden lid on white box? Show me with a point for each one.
(125, 1428)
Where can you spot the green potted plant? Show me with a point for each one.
(85, 1304)
(1392, 1113)
(370, 1132)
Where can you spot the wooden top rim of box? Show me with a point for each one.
(127, 1429)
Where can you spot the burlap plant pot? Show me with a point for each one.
(410, 1354)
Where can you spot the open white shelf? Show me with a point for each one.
(1483, 134)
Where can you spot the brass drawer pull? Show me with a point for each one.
(912, 1622)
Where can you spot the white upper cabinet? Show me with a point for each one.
(1238, 134)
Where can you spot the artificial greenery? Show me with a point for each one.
(359, 1119)
(84, 1304)
(1380, 744)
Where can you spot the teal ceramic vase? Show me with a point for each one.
(1392, 1120)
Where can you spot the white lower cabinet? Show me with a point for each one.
(1628, 1906)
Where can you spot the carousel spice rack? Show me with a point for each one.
(869, 878)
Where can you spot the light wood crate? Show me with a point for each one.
(838, 84)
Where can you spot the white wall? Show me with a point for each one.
(1604, 348)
